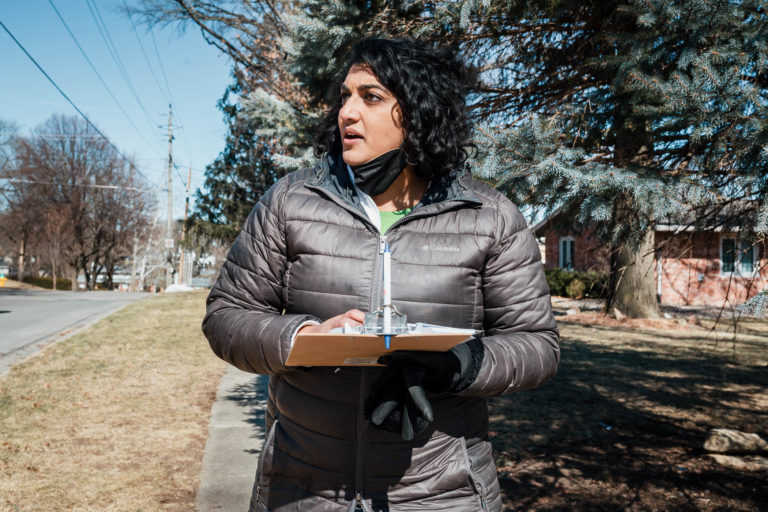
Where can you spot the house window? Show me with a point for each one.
(566, 252)
(747, 258)
(728, 257)
(737, 256)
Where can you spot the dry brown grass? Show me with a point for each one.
(114, 418)
(19, 285)
(621, 426)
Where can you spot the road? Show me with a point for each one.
(31, 319)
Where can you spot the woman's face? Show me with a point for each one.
(370, 118)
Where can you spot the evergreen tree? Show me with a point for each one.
(248, 32)
(622, 113)
(236, 180)
(653, 108)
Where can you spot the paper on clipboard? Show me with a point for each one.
(356, 349)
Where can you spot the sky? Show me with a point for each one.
(172, 67)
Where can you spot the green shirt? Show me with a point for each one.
(389, 218)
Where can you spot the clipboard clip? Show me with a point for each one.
(375, 323)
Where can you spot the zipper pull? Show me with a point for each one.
(382, 244)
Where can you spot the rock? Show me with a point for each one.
(694, 320)
(573, 311)
(724, 440)
(668, 316)
(618, 314)
(749, 463)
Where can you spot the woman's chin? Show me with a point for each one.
(353, 158)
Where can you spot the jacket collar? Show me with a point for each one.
(330, 173)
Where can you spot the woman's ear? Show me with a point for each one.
(397, 117)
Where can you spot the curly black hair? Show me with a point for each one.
(431, 85)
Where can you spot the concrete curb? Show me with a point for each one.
(235, 437)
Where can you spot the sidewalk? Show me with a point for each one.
(235, 437)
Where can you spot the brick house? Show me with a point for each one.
(692, 265)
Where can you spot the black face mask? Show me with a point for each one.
(375, 176)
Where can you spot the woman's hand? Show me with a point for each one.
(351, 317)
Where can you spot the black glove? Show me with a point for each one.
(398, 402)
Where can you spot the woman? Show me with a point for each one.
(412, 435)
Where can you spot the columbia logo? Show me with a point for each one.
(438, 248)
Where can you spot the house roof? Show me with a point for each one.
(732, 216)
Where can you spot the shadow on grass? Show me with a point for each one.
(622, 429)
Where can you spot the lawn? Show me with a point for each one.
(621, 427)
(114, 418)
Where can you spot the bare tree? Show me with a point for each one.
(18, 221)
(66, 166)
(15, 208)
(57, 230)
(248, 31)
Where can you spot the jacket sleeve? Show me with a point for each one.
(520, 344)
(244, 320)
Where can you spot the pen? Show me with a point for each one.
(387, 295)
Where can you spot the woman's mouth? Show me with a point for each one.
(352, 138)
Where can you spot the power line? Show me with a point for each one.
(165, 78)
(178, 173)
(105, 36)
(125, 74)
(160, 61)
(144, 53)
(82, 51)
(169, 95)
(66, 136)
(90, 123)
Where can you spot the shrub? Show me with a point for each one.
(567, 283)
(596, 284)
(576, 289)
(47, 282)
(558, 279)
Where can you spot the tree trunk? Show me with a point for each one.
(109, 271)
(632, 278)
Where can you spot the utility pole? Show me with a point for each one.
(132, 287)
(184, 228)
(169, 227)
(20, 277)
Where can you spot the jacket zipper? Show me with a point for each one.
(474, 480)
(375, 303)
(378, 265)
(360, 503)
(361, 440)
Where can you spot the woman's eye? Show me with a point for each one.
(344, 97)
(372, 97)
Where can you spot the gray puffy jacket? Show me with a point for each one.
(463, 258)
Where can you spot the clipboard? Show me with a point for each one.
(320, 349)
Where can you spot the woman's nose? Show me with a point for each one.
(350, 110)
